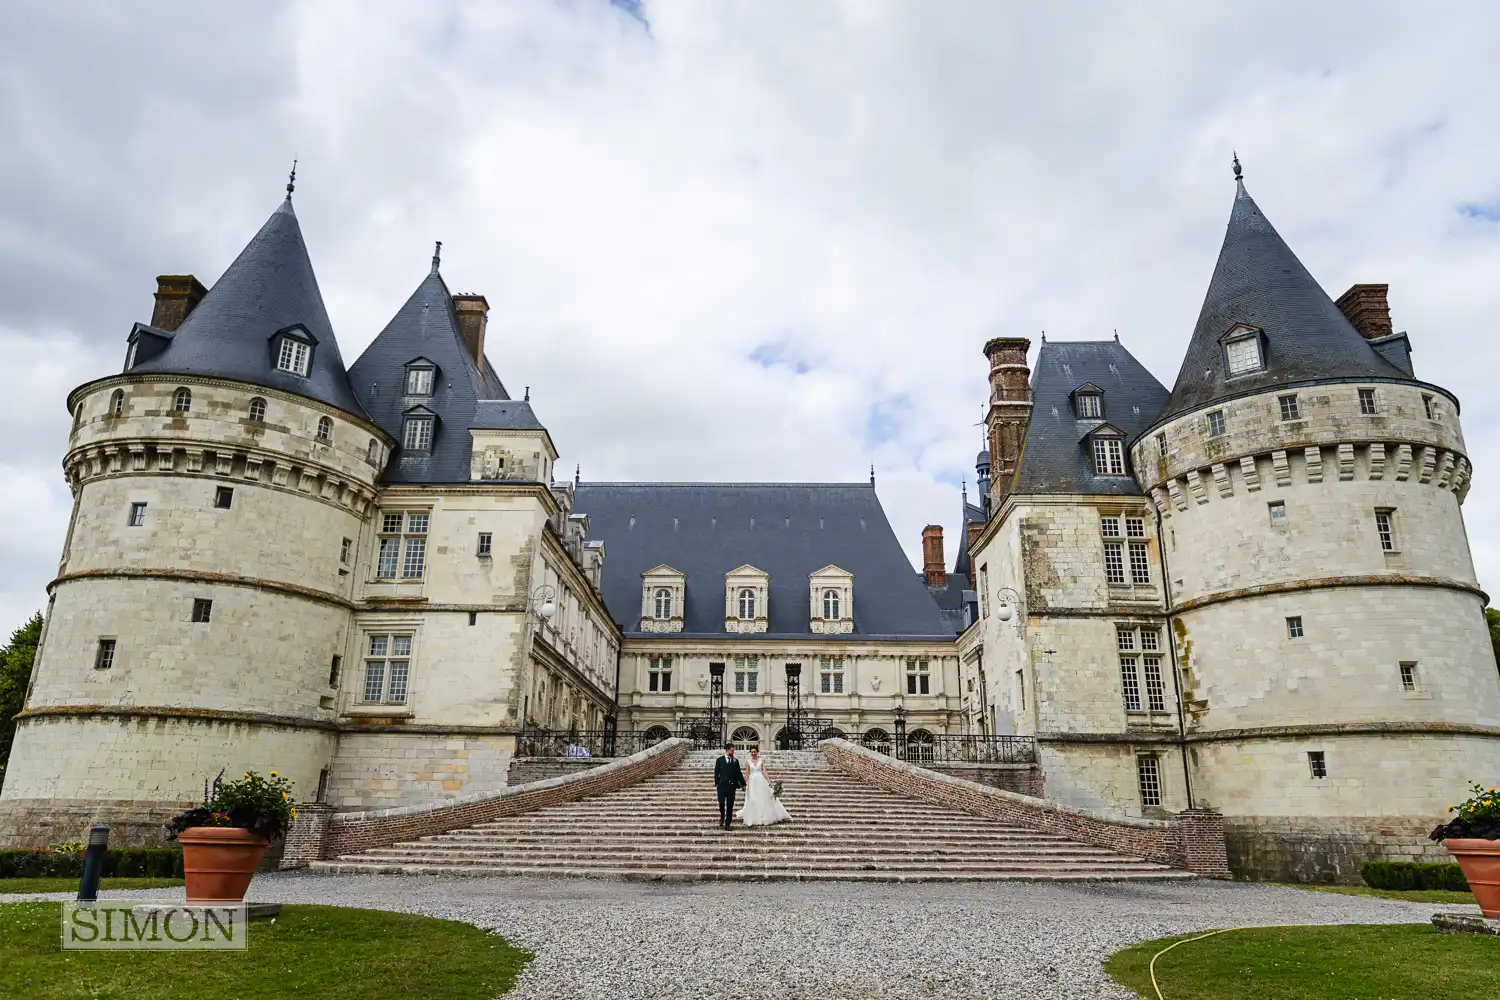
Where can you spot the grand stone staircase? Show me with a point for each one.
(665, 828)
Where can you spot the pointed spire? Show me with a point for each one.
(528, 395)
(963, 484)
(1260, 284)
(872, 473)
(1239, 175)
(577, 474)
(291, 181)
(437, 256)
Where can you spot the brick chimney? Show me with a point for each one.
(1368, 310)
(932, 556)
(176, 296)
(473, 316)
(1009, 411)
(971, 534)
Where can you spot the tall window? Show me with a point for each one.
(1140, 654)
(104, 656)
(417, 434)
(918, 677)
(293, 356)
(1140, 561)
(1090, 405)
(1109, 456)
(1243, 355)
(1367, 401)
(223, 497)
(1385, 527)
(485, 544)
(1125, 536)
(117, 402)
(403, 545)
(419, 381)
(137, 515)
(1408, 676)
(182, 400)
(1294, 627)
(387, 669)
(1289, 408)
(831, 675)
(1161, 445)
(663, 603)
(1317, 763)
(325, 430)
(659, 675)
(830, 605)
(1148, 774)
(256, 414)
(1215, 423)
(747, 603)
(346, 549)
(370, 452)
(203, 609)
(746, 674)
(984, 591)
(1427, 405)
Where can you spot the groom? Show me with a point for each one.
(728, 778)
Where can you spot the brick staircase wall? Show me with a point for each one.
(525, 770)
(320, 833)
(1023, 779)
(1193, 840)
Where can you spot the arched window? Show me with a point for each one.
(257, 412)
(325, 430)
(663, 603)
(919, 745)
(117, 403)
(878, 740)
(656, 734)
(747, 603)
(182, 400)
(370, 452)
(745, 738)
(831, 605)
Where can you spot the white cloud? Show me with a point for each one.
(875, 188)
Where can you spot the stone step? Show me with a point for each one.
(749, 875)
(771, 835)
(753, 864)
(851, 859)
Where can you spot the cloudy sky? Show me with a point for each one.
(741, 240)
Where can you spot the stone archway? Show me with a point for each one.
(745, 738)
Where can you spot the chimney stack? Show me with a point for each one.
(1009, 411)
(176, 296)
(473, 313)
(932, 556)
(1368, 310)
(972, 532)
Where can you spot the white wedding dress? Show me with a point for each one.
(762, 807)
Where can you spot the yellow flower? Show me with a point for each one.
(273, 774)
(294, 812)
(1450, 808)
(283, 794)
(247, 774)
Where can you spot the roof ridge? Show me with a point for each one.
(738, 485)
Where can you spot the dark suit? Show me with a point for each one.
(728, 778)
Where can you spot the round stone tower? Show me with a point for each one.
(221, 486)
(1337, 673)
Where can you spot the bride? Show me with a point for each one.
(762, 807)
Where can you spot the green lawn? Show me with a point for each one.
(1409, 895)
(70, 884)
(309, 951)
(1391, 962)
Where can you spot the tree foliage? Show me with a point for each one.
(1492, 619)
(15, 673)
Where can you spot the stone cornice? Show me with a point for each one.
(206, 576)
(345, 725)
(766, 645)
(1279, 733)
(1325, 583)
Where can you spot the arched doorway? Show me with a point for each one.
(656, 734)
(745, 739)
(919, 746)
(877, 740)
(832, 733)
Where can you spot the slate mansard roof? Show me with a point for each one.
(269, 287)
(1259, 282)
(789, 530)
(464, 394)
(1055, 457)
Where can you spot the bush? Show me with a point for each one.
(125, 862)
(1404, 876)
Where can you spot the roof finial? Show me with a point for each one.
(1044, 336)
(1117, 335)
(291, 181)
(528, 395)
(963, 484)
(437, 256)
(577, 473)
(1238, 174)
(872, 473)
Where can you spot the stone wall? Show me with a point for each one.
(1320, 849)
(1192, 840)
(1023, 779)
(381, 770)
(348, 833)
(525, 770)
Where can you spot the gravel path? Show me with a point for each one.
(729, 941)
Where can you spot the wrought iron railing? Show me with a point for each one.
(956, 748)
(587, 743)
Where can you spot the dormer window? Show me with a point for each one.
(294, 351)
(419, 381)
(747, 604)
(417, 434)
(663, 603)
(830, 605)
(1090, 405)
(1109, 456)
(1242, 351)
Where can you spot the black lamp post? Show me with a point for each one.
(900, 731)
(716, 700)
(793, 738)
(93, 863)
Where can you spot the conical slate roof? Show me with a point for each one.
(426, 328)
(1259, 282)
(269, 287)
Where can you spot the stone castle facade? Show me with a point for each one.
(1251, 592)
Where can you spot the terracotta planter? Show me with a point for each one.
(1480, 860)
(218, 862)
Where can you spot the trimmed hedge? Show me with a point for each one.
(124, 862)
(1406, 875)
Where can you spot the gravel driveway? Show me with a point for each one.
(784, 941)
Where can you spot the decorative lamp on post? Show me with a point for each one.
(1010, 608)
(793, 739)
(716, 700)
(900, 731)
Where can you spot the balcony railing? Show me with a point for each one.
(930, 748)
(586, 743)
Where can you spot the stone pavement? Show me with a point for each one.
(787, 941)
